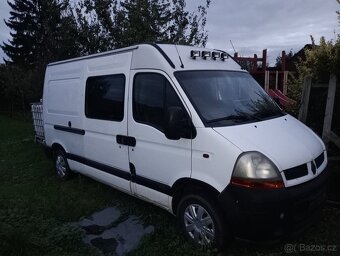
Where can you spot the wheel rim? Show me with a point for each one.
(199, 224)
(60, 166)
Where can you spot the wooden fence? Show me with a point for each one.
(327, 133)
(267, 76)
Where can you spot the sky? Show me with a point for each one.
(254, 25)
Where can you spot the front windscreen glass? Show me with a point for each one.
(225, 98)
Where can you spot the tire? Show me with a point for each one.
(201, 221)
(61, 166)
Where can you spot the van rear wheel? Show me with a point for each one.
(61, 165)
(201, 221)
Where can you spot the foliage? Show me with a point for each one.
(51, 30)
(129, 22)
(91, 36)
(278, 61)
(41, 32)
(321, 61)
(19, 86)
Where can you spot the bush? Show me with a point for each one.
(321, 61)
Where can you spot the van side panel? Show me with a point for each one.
(100, 139)
(216, 170)
(63, 100)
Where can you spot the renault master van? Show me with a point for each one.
(186, 129)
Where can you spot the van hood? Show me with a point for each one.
(285, 140)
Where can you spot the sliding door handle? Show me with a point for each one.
(126, 140)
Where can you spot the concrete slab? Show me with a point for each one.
(102, 218)
(113, 233)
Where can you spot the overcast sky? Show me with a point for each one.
(253, 25)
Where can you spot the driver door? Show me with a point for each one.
(156, 162)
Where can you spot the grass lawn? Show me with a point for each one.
(36, 207)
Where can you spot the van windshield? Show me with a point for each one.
(224, 98)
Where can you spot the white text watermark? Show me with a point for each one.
(301, 247)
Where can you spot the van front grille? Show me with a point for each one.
(319, 160)
(296, 172)
(302, 170)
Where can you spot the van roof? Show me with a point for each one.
(166, 56)
(96, 55)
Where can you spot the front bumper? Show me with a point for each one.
(268, 215)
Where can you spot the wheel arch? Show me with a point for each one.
(186, 186)
(56, 145)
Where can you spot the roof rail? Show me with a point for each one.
(163, 54)
(96, 55)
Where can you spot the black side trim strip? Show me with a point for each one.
(164, 55)
(69, 129)
(99, 166)
(160, 187)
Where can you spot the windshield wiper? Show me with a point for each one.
(230, 117)
(253, 117)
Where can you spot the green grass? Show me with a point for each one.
(36, 207)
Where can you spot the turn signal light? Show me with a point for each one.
(249, 183)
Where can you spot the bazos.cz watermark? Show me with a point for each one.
(292, 248)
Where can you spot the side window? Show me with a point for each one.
(104, 97)
(152, 95)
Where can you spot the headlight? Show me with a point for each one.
(254, 170)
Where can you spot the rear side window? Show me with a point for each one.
(104, 97)
(152, 95)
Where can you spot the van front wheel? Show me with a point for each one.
(201, 221)
(61, 166)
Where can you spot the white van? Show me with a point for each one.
(188, 130)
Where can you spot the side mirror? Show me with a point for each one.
(176, 124)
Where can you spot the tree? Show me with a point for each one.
(278, 61)
(20, 49)
(58, 31)
(15, 87)
(92, 36)
(42, 31)
(128, 22)
(320, 62)
(144, 21)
